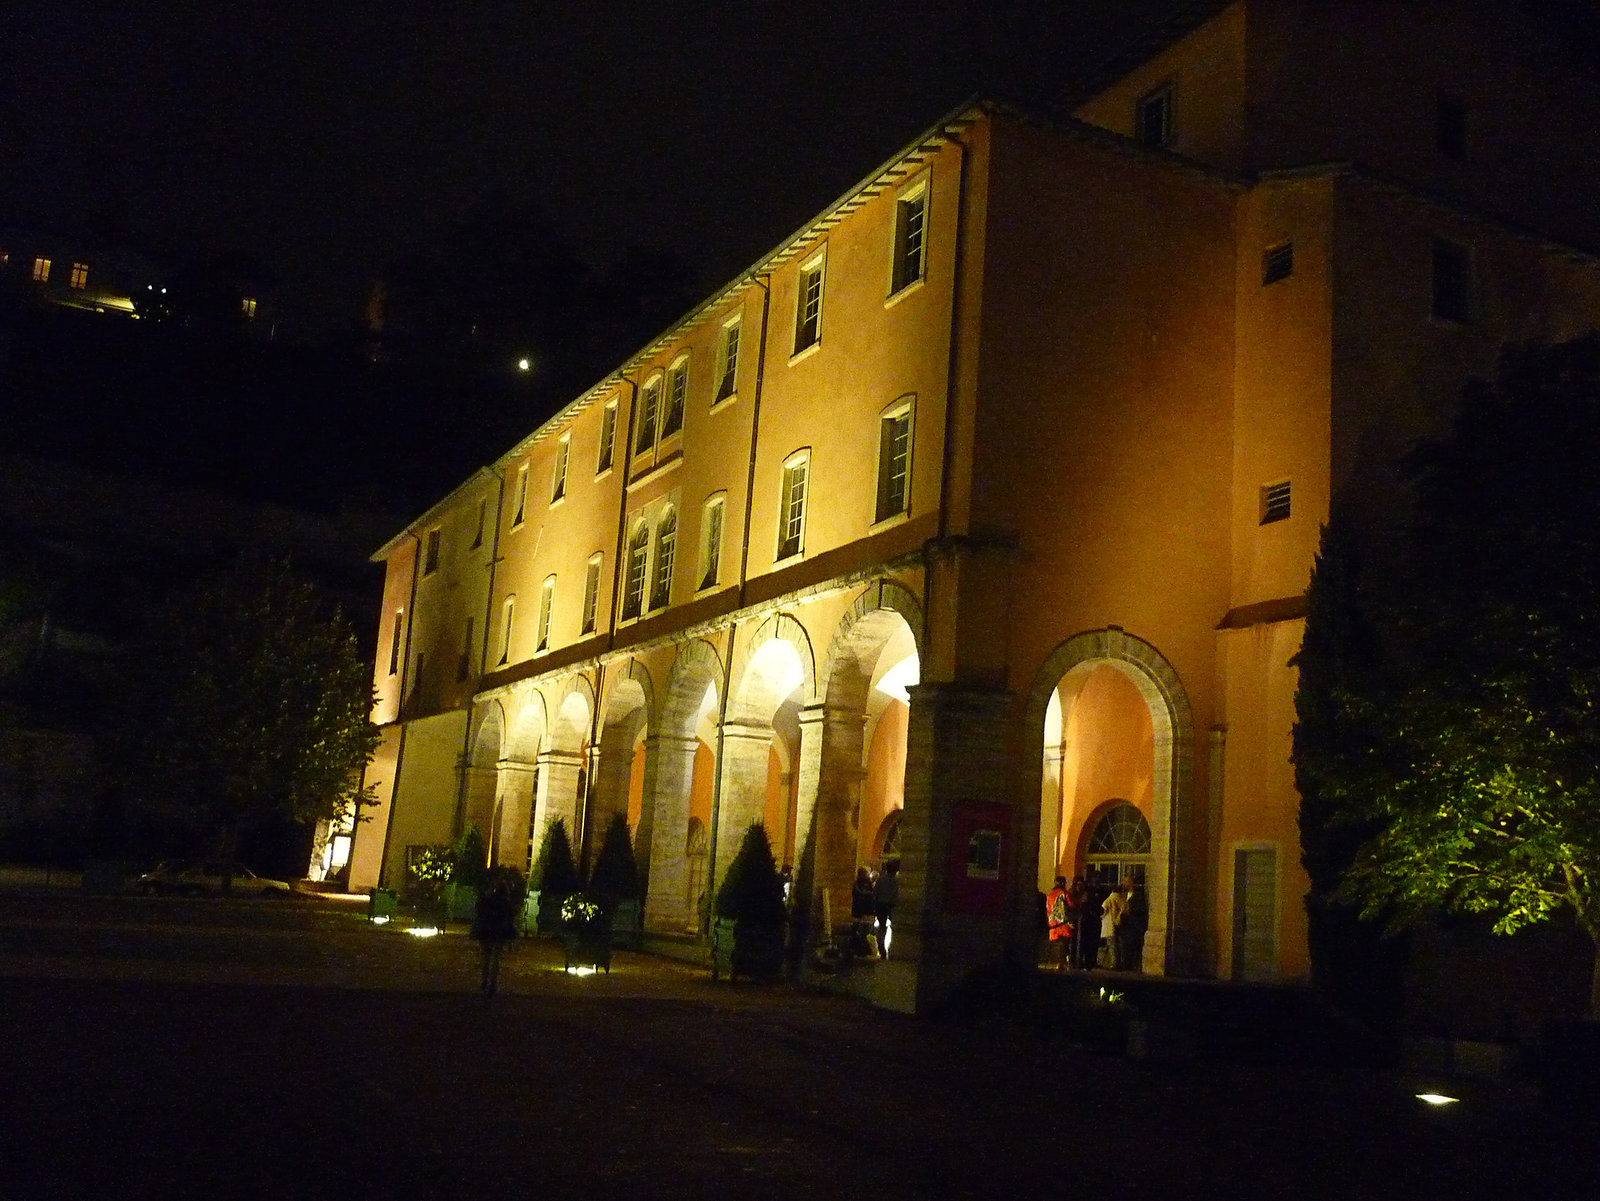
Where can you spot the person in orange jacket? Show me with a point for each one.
(1058, 921)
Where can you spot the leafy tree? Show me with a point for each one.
(1482, 780)
(752, 891)
(616, 872)
(246, 702)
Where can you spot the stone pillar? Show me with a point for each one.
(558, 792)
(955, 753)
(743, 798)
(838, 806)
(478, 788)
(1050, 805)
(515, 830)
(608, 792)
(664, 832)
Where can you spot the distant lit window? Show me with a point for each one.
(808, 306)
(558, 480)
(792, 506)
(666, 552)
(508, 615)
(649, 415)
(80, 275)
(910, 237)
(1450, 128)
(634, 576)
(608, 438)
(1277, 262)
(711, 540)
(247, 306)
(1275, 502)
(396, 636)
(519, 510)
(894, 462)
(41, 271)
(728, 361)
(464, 663)
(591, 594)
(430, 559)
(547, 600)
(677, 397)
(1152, 118)
(1452, 281)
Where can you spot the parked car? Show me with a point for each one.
(192, 877)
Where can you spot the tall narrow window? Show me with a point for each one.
(711, 540)
(430, 557)
(677, 397)
(591, 594)
(508, 613)
(464, 663)
(547, 600)
(1452, 281)
(608, 438)
(247, 307)
(483, 517)
(633, 578)
(519, 510)
(396, 637)
(910, 232)
(808, 306)
(80, 275)
(558, 481)
(666, 550)
(649, 415)
(728, 361)
(792, 506)
(41, 271)
(1152, 118)
(894, 462)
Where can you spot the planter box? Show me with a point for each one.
(625, 926)
(461, 902)
(588, 945)
(739, 949)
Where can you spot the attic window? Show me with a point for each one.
(1152, 118)
(1277, 262)
(1274, 502)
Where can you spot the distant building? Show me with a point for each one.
(69, 273)
(971, 526)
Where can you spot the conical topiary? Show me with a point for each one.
(752, 891)
(554, 871)
(616, 872)
(470, 859)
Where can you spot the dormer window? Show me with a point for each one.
(1152, 118)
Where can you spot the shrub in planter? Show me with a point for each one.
(748, 936)
(616, 883)
(554, 875)
(586, 931)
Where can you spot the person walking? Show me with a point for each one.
(494, 925)
(885, 894)
(1058, 921)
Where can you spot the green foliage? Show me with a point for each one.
(616, 872)
(752, 891)
(246, 701)
(1468, 753)
(469, 861)
(509, 876)
(554, 872)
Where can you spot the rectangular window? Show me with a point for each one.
(591, 594)
(711, 541)
(1152, 118)
(547, 599)
(464, 664)
(41, 271)
(430, 561)
(483, 517)
(1452, 282)
(728, 361)
(894, 463)
(247, 306)
(649, 415)
(1450, 128)
(808, 306)
(1275, 502)
(396, 637)
(558, 481)
(677, 397)
(910, 230)
(633, 577)
(608, 438)
(792, 508)
(666, 554)
(80, 275)
(519, 510)
(508, 613)
(1277, 262)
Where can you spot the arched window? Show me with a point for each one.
(633, 582)
(666, 545)
(1119, 846)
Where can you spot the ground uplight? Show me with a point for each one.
(423, 931)
(1437, 1099)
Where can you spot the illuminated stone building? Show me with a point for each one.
(971, 525)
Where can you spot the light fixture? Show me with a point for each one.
(583, 970)
(1437, 1099)
(423, 931)
(524, 364)
(381, 920)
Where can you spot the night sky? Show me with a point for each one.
(325, 139)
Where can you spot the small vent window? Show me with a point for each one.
(1277, 262)
(1275, 502)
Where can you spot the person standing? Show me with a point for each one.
(860, 910)
(1058, 921)
(885, 893)
(1111, 914)
(1135, 918)
(1087, 942)
(494, 924)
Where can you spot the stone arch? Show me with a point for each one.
(479, 771)
(697, 664)
(516, 779)
(562, 776)
(527, 733)
(881, 595)
(1173, 943)
(630, 699)
(754, 702)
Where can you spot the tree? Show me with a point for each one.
(616, 873)
(1481, 770)
(752, 891)
(247, 701)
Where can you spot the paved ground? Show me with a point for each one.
(176, 1049)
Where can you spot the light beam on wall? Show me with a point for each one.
(898, 678)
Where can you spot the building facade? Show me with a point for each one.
(971, 526)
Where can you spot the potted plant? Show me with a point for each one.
(466, 875)
(747, 938)
(554, 878)
(427, 871)
(615, 882)
(586, 932)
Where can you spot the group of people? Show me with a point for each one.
(872, 901)
(1093, 926)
